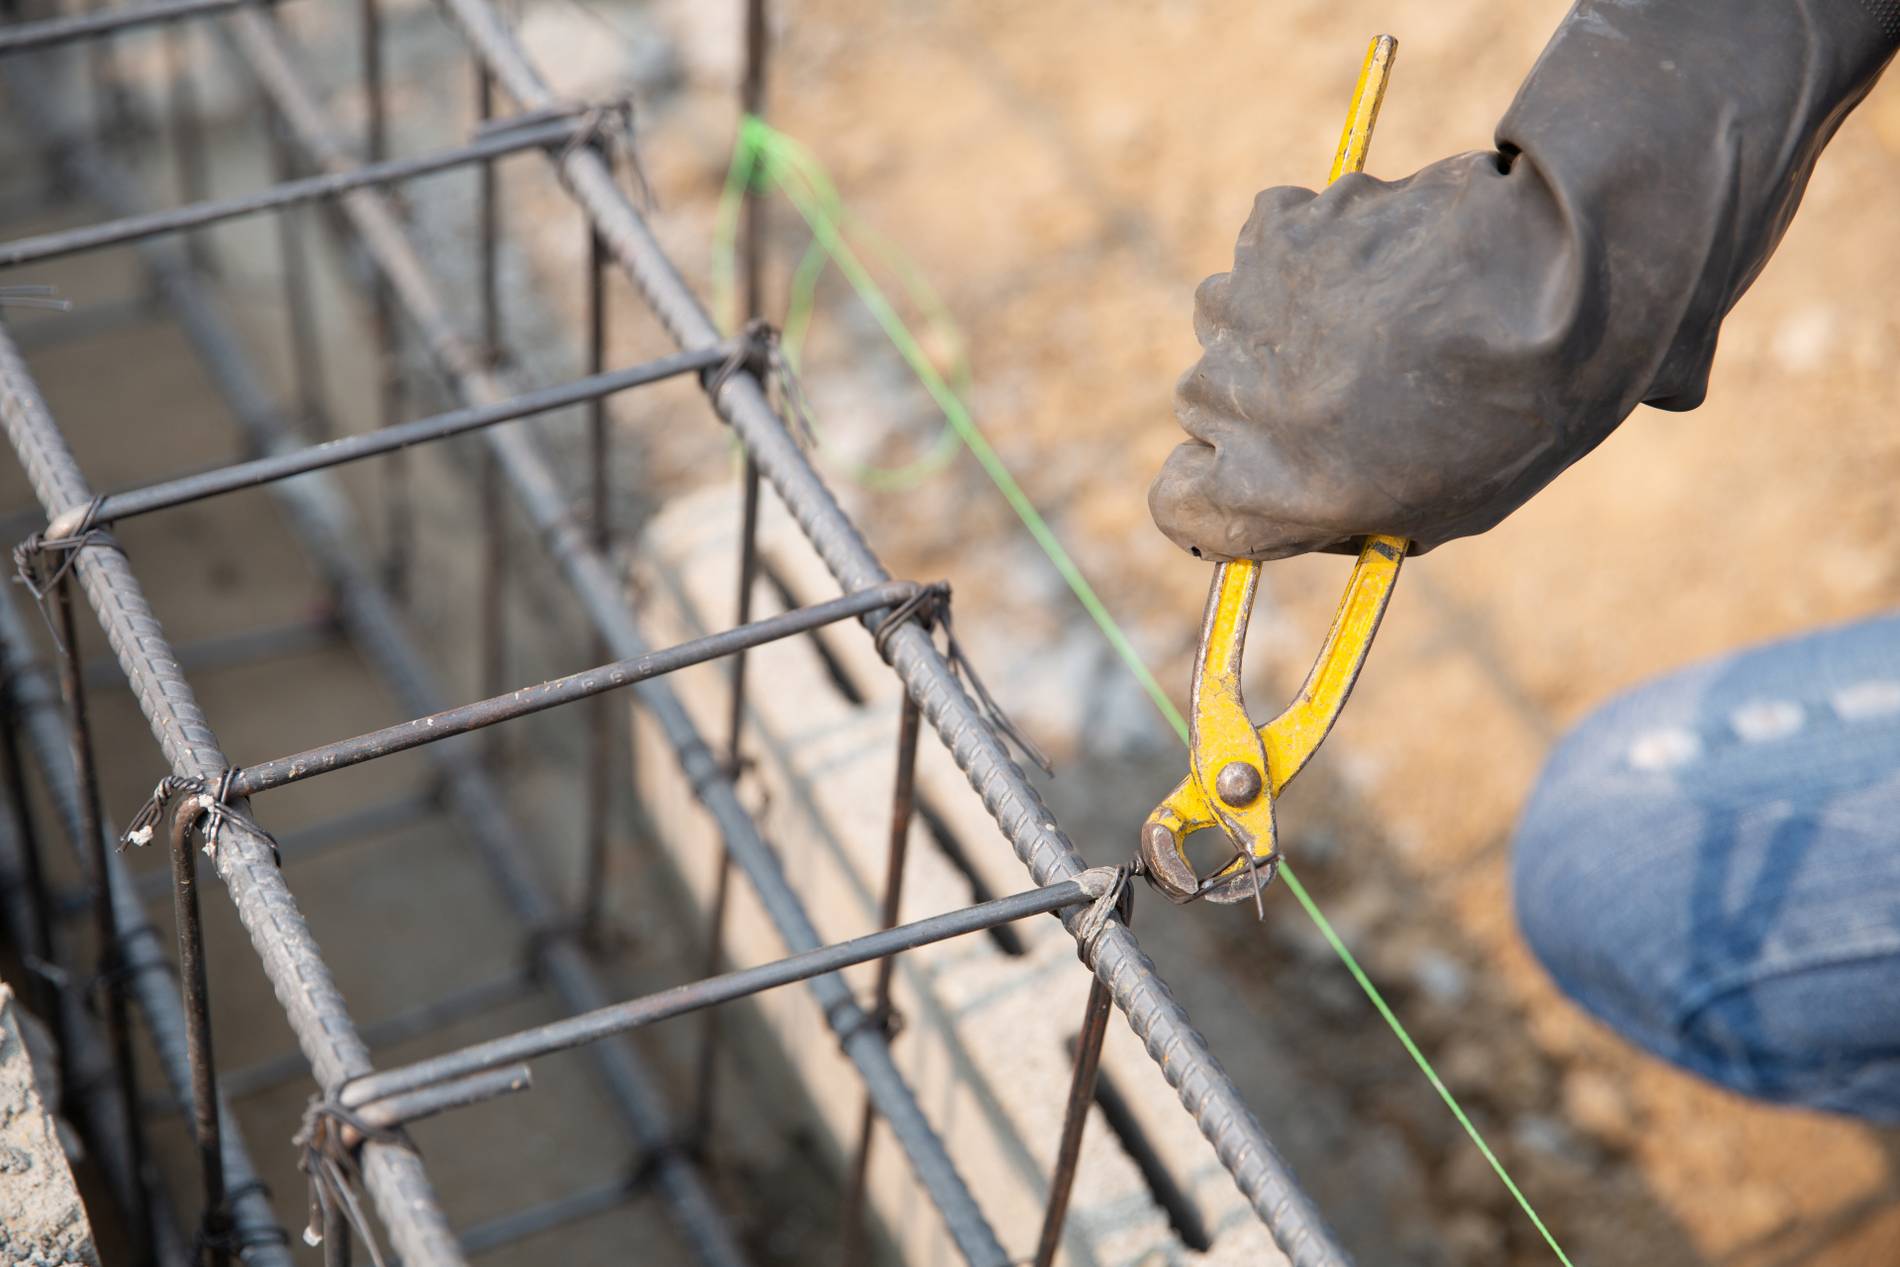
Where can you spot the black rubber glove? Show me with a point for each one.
(1419, 357)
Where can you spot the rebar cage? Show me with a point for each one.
(367, 1182)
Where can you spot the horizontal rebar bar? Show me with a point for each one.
(25, 36)
(439, 1097)
(116, 507)
(447, 724)
(231, 650)
(572, 1207)
(428, 1018)
(543, 1040)
(150, 224)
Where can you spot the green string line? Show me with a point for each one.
(801, 306)
(773, 160)
(788, 166)
(1418, 1057)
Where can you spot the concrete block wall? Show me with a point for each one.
(42, 1220)
(986, 1033)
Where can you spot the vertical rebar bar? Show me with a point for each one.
(215, 1226)
(490, 227)
(903, 807)
(751, 103)
(400, 520)
(494, 605)
(111, 111)
(1088, 1063)
(601, 747)
(39, 937)
(105, 920)
(189, 153)
(306, 341)
(336, 1238)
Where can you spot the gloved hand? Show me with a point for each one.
(1418, 357)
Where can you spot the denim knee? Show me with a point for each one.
(1711, 865)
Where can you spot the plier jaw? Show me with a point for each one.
(1237, 770)
(1229, 781)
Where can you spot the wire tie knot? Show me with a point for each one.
(210, 804)
(759, 350)
(930, 608)
(66, 535)
(1113, 896)
(329, 1161)
(848, 1018)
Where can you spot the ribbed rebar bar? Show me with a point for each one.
(316, 511)
(546, 506)
(1117, 960)
(1172, 1041)
(151, 986)
(265, 906)
(92, 1095)
(896, 853)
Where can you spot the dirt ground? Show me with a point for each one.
(1065, 173)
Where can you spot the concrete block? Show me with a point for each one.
(42, 1220)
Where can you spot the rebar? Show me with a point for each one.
(111, 972)
(705, 1093)
(300, 315)
(194, 977)
(752, 266)
(903, 809)
(187, 134)
(288, 193)
(282, 465)
(1075, 1116)
(46, 33)
(493, 611)
(600, 747)
(601, 594)
(452, 722)
(544, 1040)
(1179, 1050)
(264, 904)
(149, 977)
(405, 301)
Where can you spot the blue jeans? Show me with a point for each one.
(1711, 865)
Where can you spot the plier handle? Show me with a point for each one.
(1236, 769)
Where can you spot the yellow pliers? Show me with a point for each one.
(1235, 769)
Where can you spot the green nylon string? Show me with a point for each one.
(801, 306)
(768, 159)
